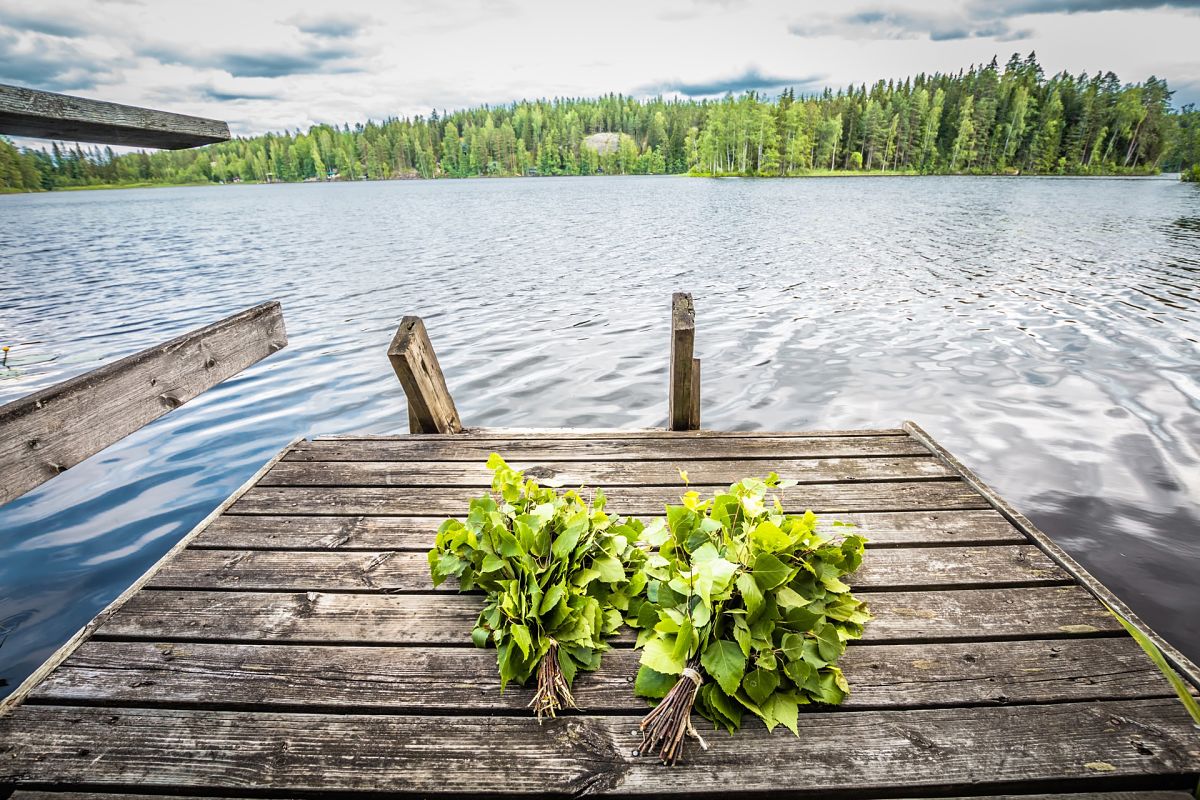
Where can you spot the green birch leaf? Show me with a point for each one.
(520, 634)
(659, 655)
(769, 571)
(751, 595)
(784, 710)
(651, 683)
(759, 684)
(725, 662)
(610, 569)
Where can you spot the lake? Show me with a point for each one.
(1045, 330)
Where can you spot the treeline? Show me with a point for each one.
(988, 119)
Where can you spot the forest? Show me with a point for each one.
(984, 120)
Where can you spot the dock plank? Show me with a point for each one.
(332, 617)
(299, 532)
(400, 501)
(402, 571)
(633, 448)
(924, 750)
(1138, 795)
(416, 679)
(603, 473)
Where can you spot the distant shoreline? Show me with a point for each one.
(813, 174)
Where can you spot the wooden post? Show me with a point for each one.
(430, 407)
(54, 429)
(45, 115)
(684, 413)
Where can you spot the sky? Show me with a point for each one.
(284, 64)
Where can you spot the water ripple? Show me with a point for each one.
(1044, 330)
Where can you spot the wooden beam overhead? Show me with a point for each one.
(46, 115)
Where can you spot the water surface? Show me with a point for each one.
(1045, 330)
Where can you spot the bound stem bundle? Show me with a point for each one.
(744, 611)
(557, 573)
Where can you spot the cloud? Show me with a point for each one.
(905, 24)
(305, 58)
(330, 27)
(977, 19)
(745, 81)
(1009, 8)
(68, 27)
(45, 63)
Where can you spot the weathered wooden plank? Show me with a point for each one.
(416, 679)
(1180, 662)
(1059, 745)
(1036, 612)
(406, 571)
(602, 473)
(1152, 794)
(54, 429)
(616, 433)
(894, 529)
(469, 448)
(399, 501)
(46, 115)
(430, 407)
(684, 397)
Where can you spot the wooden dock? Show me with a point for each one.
(292, 645)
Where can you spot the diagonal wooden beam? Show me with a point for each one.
(52, 430)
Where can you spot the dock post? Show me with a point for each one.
(684, 412)
(430, 407)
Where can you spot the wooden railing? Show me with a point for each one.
(53, 430)
(45, 115)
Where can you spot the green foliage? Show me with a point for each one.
(1191, 175)
(557, 571)
(756, 597)
(986, 119)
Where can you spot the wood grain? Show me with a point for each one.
(420, 679)
(430, 406)
(931, 750)
(684, 393)
(406, 571)
(46, 115)
(298, 532)
(400, 501)
(623, 448)
(603, 473)
(49, 431)
(441, 619)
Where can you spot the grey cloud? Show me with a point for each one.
(751, 78)
(1010, 8)
(903, 24)
(330, 27)
(49, 24)
(977, 19)
(302, 60)
(50, 68)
